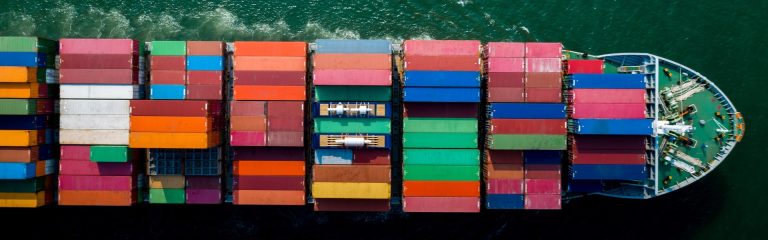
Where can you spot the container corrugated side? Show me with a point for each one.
(505, 49)
(614, 126)
(353, 46)
(608, 81)
(441, 47)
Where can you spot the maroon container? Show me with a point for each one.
(352, 205)
(504, 186)
(167, 77)
(98, 61)
(285, 123)
(544, 80)
(506, 79)
(607, 156)
(269, 183)
(247, 138)
(529, 126)
(98, 76)
(505, 156)
(595, 142)
(443, 63)
(371, 156)
(506, 94)
(203, 196)
(285, 139)
(75, 152)
(248, 108)
(98, 46)
(44, 106)
(96, 183)
(204, 78)
(204, 92)
(268, 154)
(189, 108)
(542, 171)
(441, 204)
(88, 168)
(203, 182)
(205, 48)
(440, 110)
(285, 108)
(544, 95)
(270, 78)
(178, 63)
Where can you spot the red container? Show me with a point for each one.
(178, 63)
(529, 126)
(285, 123)
(204, 92)
(584, 67)
(551, 65)
(285, 139)
(604, 156)
(504, 186)
(543, 50)
(505, 156)
(370, 156)
(203, 196)
(542, 186)
(353, 77)
(205, 48)
(188, 108)
(168, 77)
(268, 154)
(269, 183)
(285, 109)
(248, 108)
(203, 182)
(441, 48)
(544, 95)
(441, 204)
(505, 49)
(98, 76)
(506, 79)
(443, 63)
(98, 61)
(88, 168)
(96, 183)
(510, 65)
(247, 138)
(352, 205)
(602, 142)
(543, 201)
(608, 96)
(204, 78)
(98, 46)
(506, 94)
(75, 152)
(440, 110)
(544, 80)
(542, 171)
(273, 78)
(612, 111)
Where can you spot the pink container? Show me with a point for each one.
(505, 49)
(441, 48)
(608, 96)
(543, 50)
(246, 138)
(542, 186)
(75, 152)
(353, 77)
(203, 196)
(285, 139)
(203, 182)
(612, 111)
(543, 201)
(553, 65)
(504, 186)
(98, 46)
(88, 168)
(441, 204)
(584, 67)
(513, 65)
(96, 183)
(443, 63)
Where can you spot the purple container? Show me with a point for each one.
(203, 182)
(203, 196)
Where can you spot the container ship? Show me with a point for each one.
(350, 125)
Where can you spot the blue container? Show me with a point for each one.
(22, 59)
(608, 81)
(333, 156)
(167, 91)
(528, 110)
(353, 46)
(614, 126)
(316, 141)
(429, 94)
(205, 63)
(387, 111)
(17, 170)
(585, 186)
(504, 201)
(23, 122)
(543, 157)
(608, 172)
(45, 152)
(442, 79)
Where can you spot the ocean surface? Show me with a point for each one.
(727, 41)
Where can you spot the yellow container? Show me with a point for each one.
(18, 138)
(351, 190)
(18, 74)
(173, 140)
(19, 90)
(166, 182)
(23, 200)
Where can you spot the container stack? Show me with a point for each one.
(527, 126)
(441, 95)
(267, 123)
(610, 125)
(352, 125)
(180, 126)
(28, 148)
(98, 79)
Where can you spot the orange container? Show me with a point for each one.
(441, 188)
(18, 74)
(173, 140)
(504, 171)
(251, 92)
(248, 123)
(171, 124)
(352, 61)
(284, 49)
(19, 90)
(95, 198)
(269, 197)
(269, 168)
(18, 138)
(285, 64)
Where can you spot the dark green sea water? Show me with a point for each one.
(724, 40)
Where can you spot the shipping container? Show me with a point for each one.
(542, 186)
(250, 63)
(506, 65)
(205, 48)
(505, 49)
(441, 188)
(450, 125)
(614, 126)
(608, 172)
(543, 50)
(83, 91)
(352, 61)
(441, 204)
(178, 63)
(94, 122)
(528, 126)
(577, 66)
(440, 110)
(542, 157)
(98, 76)
(528, 110)
(204, 78)
(248, 123)
(608, 81)
(602, 142)
(352, 156)
(167, 195)
(504, 171)
(587, 156)
(96, 137)
(353, 46)
(543, 95)
(268, 168)
(504, 156)
(269, 183)
(98, 46)
(88, 168)
(167, 91)
(505, 94)
(203, 196)
(96, 198)
(248, 108)
(98, 61)
(31, 185)
(24, 59)
(441, 48)
(25, 122)
(615, 96)
(96, 183)
(177, 77)
(527, 142)
(268, 197)
(290, 93)
(352, 205)
(171, 124)
(432, 94)
(504, 201)
(608, 110)
(452, 157)
(351, 109)
(442, 79)
(439, 140)
(544, 80)
(285, 139)
(174, 108)
(27, 44)
(352, 77)
(169, 48)
(441, 173)
(506, 79)
(268, 154)
(543, 201)
(174, 140)
(504, 186)
(351, 190)
(204, 92)
(20, 138)
(545, 65)
(21, 90)
(270, 78)
(26, 106)
(168, 181)
(352, 93)
(19, 154)
(110, 154)
(205, 63)
(286, 49)
(542, 171)
(351, 173)
(442, 63)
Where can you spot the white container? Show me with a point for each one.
(95, 122)
(94, 137)
(94, 107)
(84, 91)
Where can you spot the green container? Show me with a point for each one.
(110, 153)
(28, 44)
(441, 173)
(18, 106)
(444, 125)
(167, 195)
(353, 93)
(169, 48)
(353, 125)
(23, 186)
(527, 142)
(452, 157)
(440, 140)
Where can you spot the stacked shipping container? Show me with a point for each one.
(267, 123)
(352, 125)
(27, 124)
(441, 160)
(98, 78)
